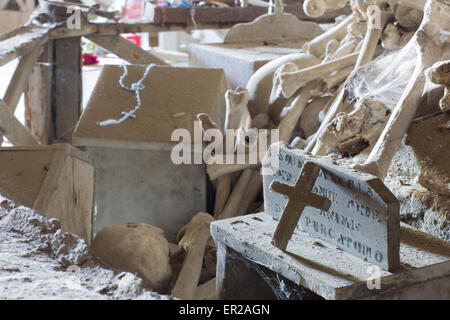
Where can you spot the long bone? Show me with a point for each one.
(439, 73)
(223, 186)
(288, 82)
(429, 49)
(318, 45)
(286, 128)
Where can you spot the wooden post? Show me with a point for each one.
(38, 97)
(66, 87)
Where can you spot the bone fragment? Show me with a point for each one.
(439, 73)
(391, 37)
(317, 8)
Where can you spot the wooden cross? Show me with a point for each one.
(299, 197)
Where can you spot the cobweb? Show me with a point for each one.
(385, 78)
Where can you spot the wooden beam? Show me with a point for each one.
(227, 16)
(19, 80)
(20, 42)
(66, 87)
(12, 129)
(126, 50)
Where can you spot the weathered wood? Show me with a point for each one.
(235, 198)
(194, 242)
(12, 129)
(196, 90)
(57, 181)
(21, 41)
(222, 193)
(125, 49)
(10, 19)
(242, 59)
(38, 115)
(72, 199)
(277, 26)
(216, 170)
(19, 80)
(164, 16)
(66, 104)
(52, 172)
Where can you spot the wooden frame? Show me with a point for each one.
(26, 43)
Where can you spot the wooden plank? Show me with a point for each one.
(54, 180)
(38, 97)
(19, 80)
(126, 50)
(42, 200)
(233, 15)
(23, 173)
(71, 197)
(66, 104)
(12, 129)
(21, 41)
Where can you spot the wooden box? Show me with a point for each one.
(57, 181)
(136, 180)
(240, 60)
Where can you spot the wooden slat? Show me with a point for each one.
(19, 80)
(126, 50)
(21, 41)
(218, 16)
(12, 129)
(41, 201)
(38, 94)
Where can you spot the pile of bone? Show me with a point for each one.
(322, 100)
(352, 93)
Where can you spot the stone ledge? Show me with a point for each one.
(333, 273)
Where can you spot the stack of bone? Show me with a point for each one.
(307, 96)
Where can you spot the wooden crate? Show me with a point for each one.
(57, 181)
